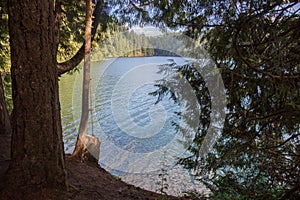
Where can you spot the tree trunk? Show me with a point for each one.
(5, 136)
(5, 127)
(80, 147)
(77, 58)
(37, 145)
(58, 12)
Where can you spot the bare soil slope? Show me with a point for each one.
(86, 181)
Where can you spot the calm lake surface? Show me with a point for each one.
(136, 134)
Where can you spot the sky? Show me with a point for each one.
(147, 30)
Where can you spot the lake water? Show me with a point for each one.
(136, 133)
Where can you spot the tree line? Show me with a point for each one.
(255, 45)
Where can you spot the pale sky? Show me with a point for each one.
(147, 30)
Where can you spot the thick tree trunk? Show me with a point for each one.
(37, 145)
(83, 140)
(58, 12)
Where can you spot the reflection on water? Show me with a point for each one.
(69, 123)
(137, 137)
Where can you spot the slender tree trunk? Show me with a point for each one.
(37, 145)
(5, 127)
(81, 146)
(86, 73)
(5, 136)
(77, 58)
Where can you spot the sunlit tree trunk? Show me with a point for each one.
(73, 62)
(84, 140)
(5, 127)
(5, 135)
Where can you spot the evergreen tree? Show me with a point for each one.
(255, 46)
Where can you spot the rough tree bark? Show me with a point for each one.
(38, 156)
(83, 140)
(58, 12)
(37, 145)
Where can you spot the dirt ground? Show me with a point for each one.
(86, 181)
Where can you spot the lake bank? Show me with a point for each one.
(86, 181)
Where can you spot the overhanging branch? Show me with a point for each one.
(73, 62)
